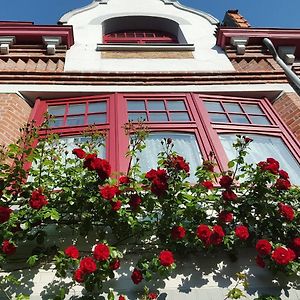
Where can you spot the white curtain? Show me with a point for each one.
(185, 144)
(263, 147)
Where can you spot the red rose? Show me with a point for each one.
(263, 247)
(89, 162)
(79, 275)
(88, 265)
(283, 174)
(109, 191)
(135, 201)
(296, 243)
(72, 252)
(282, 184)
(101, 252)
(208, 165)
(178, 233)
(116, 205)
(137, 276)
(283, 256)
(166, 258)
(152, 296)
(286, 211)
(207, 184)
(225, 217)
(247, 140)
(242, 232)
(124, 180)
(8, 248)
(37, 199)
(226, 181)
(102, 168)
(259, 261)
(217, 235)
(204, 233)
(121, 297)
(180, 164)
(4, 214)
(79, 153)
(150, 175)
(158, 186)
(115, 264)
(271, 165)
(229, 195)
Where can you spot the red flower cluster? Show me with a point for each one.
(109, 191)
(115, 264)
(242, 232)
(295, 245)
(101, 252)
(137, 276)
(135, 201)
(271, 165)
(179, 163)
(210, 237)
(226, 181)
(229, 195)
(8, 248)
(225, 217)
(178, 233)
(283, 174)
(121, 297)
(263, 247)
(79, 275)
(247, 140)
(283, 256)
(286, 211)
(79, 153)
(207, 184)
(37, 199)
(124, 179)
(101, 166)
(72, 252)
(159, 179)
(282, 184)
(166, 258)
(4, 214)
(116, 205)
(88, 265)
(152, 296)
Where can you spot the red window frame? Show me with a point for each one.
(140, 37)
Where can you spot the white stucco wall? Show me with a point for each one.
(198, 30)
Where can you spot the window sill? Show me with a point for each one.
(145, 47)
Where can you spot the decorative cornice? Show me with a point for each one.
(145, 47)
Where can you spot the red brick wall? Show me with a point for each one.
(288, 107)
(14, 113)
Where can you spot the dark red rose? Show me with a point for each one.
(247, 139)
(225, 217)
(282, 184)
(229, 195)
(208, 165)
(8, 248)
(166, 258)
(109, 191)
(102, 168)
(88, 265)
(4, 214)
(72, 252)
(79, 153)
(271, 165)
(296, 243)
(121, 297)
(137, 276)
(89, 161)
(37, 199)
(286, 211)
(162, 174)
(150, 175)
(79, 275)
(124, 179)
(152, 296)
(259, 261)
(283, 174)
(207, 184)
(180, 164)
(226, 181)
(116, 205)
(242, 232)
(283, 256)
(158, 186)
(101, 252)
(217, 235)
(263, 247)
(115, 264)
(135, 201)
(178, 233)
(204, 233)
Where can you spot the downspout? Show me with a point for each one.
(288, 72)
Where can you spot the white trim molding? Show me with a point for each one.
(51, 42)
(240, 44)
(145, 47)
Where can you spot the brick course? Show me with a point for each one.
(147, 54)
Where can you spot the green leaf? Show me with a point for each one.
(231, 164)
(110, 295)
(31, 261)
(22, 297)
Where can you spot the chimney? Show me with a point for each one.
(233, 18)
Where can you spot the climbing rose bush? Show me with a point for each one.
(104, 214)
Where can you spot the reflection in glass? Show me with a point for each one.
(213, 106)
(176, 105)
(158, 117)
(242, 119)
(156, 105)
(76, 120)
(232, 107)
(136, 105)
(218, 118)
(252, 109)
(76, 109)
(179, 116)
(137, 117)
(57, 110)
(97, 119)
(97, 107)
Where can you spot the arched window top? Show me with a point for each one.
(140, 37)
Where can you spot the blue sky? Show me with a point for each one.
(260, 13)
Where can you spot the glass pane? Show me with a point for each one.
(97, 107)
(179, 116)
(239, 119)
(252, 109)
(176, 105)
(158, 117)
(76, 109)
(260, 120)
(56, 122)
(185, 144)
(156, 105)
(97, 119)
(57, 110)
(136, 105)
(137, 117)
(263, 147)
(219, 118)
(232, 107)
(76, 120)
(213, 106)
